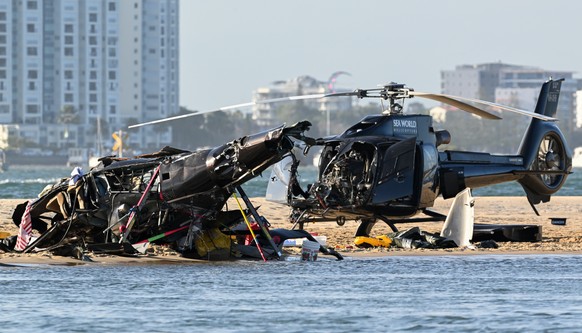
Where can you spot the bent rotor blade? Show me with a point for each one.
(237, 106)
(450, 100)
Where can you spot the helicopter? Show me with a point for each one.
(173, 197)
(385, 167)
(388, 167)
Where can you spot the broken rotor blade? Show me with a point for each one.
(456, 103)
(237, 106)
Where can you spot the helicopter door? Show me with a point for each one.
(277, 188)
(395, 178)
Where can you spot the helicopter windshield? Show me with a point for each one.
(362, 125)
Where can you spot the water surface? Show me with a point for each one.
(489, 293)
(29, 181)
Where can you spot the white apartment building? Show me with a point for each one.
(579, 109)
(113, 60)
(473, 81)
(302, 85)
(512, 85)
(520, 88)
(6, 72)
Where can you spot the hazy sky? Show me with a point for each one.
(229, 48)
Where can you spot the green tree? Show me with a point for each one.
(188, 133)
(293, 112)
(219, 127)
(244, 123)
(131, 121)
(416, 108)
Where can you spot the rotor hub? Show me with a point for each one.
(552, 160)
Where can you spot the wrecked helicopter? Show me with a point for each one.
(174, 197)
(386, 167)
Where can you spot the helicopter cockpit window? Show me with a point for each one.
(360, 127)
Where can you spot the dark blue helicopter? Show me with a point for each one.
(388, 167)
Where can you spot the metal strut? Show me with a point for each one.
(259, 220)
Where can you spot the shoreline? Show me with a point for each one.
(556, 239)
(35, 260)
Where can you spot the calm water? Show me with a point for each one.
(413, 294)
(416, 294)
(28, 181)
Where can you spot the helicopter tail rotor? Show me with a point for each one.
(546, 154)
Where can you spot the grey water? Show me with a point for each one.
(485, 293)
(28, 181)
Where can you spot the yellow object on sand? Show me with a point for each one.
(212, 240)
(4, 234)
(380, 241)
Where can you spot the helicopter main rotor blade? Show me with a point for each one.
(456, 103)
(456, 99)
(507, 108)
(237, 106)
(194, 113)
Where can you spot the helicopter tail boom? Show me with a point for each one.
(541, 166)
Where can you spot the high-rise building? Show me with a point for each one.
(520, 88)
(517, 86)
(473, 81)
(66, 63)
(512, 85)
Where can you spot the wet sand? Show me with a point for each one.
(556, 239)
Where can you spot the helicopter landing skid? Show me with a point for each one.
(367, 222)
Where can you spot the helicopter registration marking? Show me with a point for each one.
(405, 126)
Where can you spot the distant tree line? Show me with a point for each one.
(468, 132)
(216, 128)
(209, 129)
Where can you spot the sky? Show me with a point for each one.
(229, 48)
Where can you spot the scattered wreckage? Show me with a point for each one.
(386, 167)
(174, 197)
(458, 230)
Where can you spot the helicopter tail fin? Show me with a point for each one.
(547, 104)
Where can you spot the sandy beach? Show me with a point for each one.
(556, 239)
